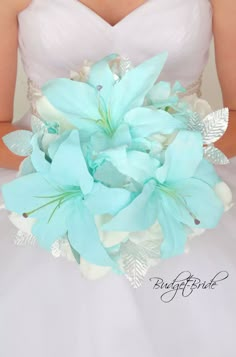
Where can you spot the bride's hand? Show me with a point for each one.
(227, 144)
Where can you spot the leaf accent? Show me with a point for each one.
(215, 125)
(136, 259)
(215, 156)
(19, 142)
(195, 123)
(24, 239)
(125, 65)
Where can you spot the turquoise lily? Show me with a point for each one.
(63, 199)
(163, 95)
(99, 107)
(178, 193)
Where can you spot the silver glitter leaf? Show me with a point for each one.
(125, 65)
(135, 259)
(61, 248)
(23, 238)
(135, 265)
(215, 125)
(120, 66)
(195, 123)
(19, 142)
(151, 248)
(215, 156)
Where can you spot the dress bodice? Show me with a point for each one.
(57, 36)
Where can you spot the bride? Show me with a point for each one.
(46, 307)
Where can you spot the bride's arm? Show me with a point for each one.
(224, 29)
(8, 71)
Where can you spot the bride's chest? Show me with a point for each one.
(112, 11)
(60, 34)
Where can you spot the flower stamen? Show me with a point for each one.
(61, 198)
(180, 199)
(105, 122)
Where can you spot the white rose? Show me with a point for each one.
(49, 113)
(91, 271)
(108, 238)
(83, 73)
(198, 105)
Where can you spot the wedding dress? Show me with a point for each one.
(47, 309)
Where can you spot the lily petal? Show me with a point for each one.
(101, 141)
(84, 238)
(144, 122)
(139, 215)
(38, 158)
(69, 167)
(47, 230)
(131, 90)
(173, 231)
(54, 146)
(103, 199)
(202, 202)
(182, 157)
(101, 74)
(78, 101)
(107, 174)
(207, 173)
(22, 194)
(160, 91)
(136, 164)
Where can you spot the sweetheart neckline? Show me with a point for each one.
(120, 22)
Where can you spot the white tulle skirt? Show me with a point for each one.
(47, 309)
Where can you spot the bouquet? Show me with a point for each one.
(119, 170)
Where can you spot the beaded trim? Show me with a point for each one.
(33, 93)
(194, 88)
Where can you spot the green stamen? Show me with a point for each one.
(177, 197)
(61, 198)
(105, 122)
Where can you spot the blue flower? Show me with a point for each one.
(99, 107)
(63, 199)
(162, 95)
(178, 192)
